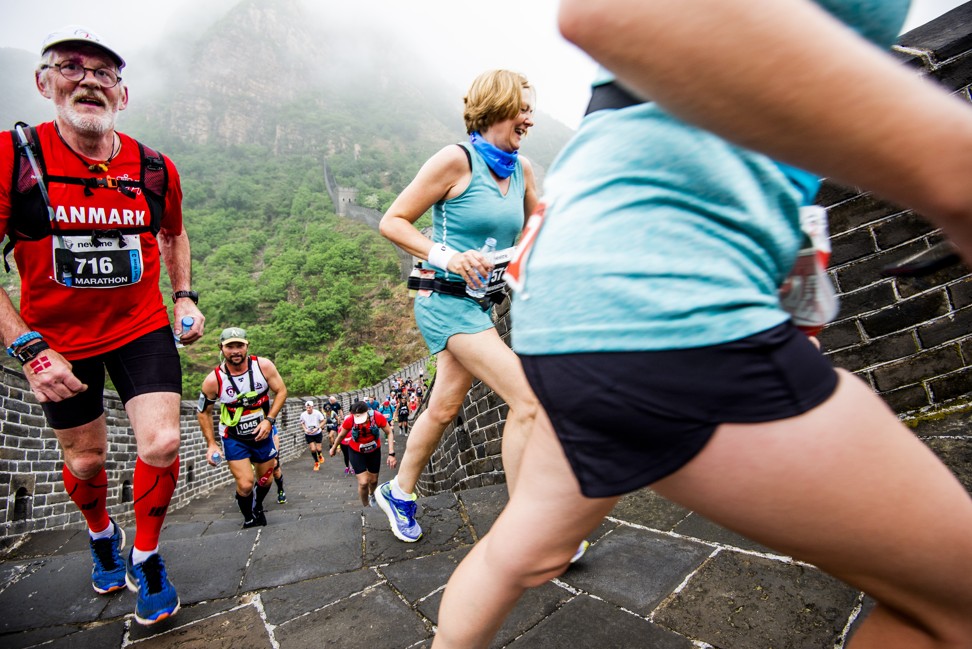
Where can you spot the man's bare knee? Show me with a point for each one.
(86, 464)
(162, 449)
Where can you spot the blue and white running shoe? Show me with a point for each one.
(401, 514)
(108, 571)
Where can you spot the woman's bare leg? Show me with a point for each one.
(849, 489)
(452, 382)
(487, 357)
(530, 543)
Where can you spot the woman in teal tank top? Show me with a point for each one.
(478, 189)
(652, 285)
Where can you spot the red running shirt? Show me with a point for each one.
(365, 437)
(121, 300)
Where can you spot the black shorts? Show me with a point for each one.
(654, 411)
(361, 462)
(147, 364)
(314, 439)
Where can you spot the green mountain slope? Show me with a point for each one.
(251, 112)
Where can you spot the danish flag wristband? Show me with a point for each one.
(440, 254)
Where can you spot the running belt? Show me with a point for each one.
(611, 95)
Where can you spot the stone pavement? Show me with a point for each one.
(326, 572)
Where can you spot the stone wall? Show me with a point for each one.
(911, 339)
(32, 495)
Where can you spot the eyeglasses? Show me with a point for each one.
(75, 72)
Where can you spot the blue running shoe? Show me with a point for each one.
(581, 551)
(108, 572)
(157, 597)
(401, 514)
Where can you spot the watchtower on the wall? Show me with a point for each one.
(346, 196)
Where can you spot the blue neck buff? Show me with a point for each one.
(501, 162)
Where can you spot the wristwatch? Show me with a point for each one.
(391, 453)
(31, 351)
(192, 295)
(272, 420)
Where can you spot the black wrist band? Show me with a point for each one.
(30, 352)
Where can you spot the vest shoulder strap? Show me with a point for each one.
(30, 215)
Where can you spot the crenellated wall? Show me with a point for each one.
(911, 339)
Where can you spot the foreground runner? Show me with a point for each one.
(90, 300)
(671, 315)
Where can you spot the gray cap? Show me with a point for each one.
(233, 335)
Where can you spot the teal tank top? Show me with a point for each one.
(465, 221)
(660, 235)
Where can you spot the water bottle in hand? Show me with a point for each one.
(216, 458)
(186, 326)
(479, 292)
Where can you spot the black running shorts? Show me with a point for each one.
(147, 364)
(361, 462)
(654, 411)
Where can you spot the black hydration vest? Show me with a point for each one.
(30, 216)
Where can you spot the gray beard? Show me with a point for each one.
(86, 124)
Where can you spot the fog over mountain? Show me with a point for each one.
(277, 73)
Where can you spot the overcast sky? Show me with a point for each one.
(469, 36)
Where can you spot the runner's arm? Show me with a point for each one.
(827, 101)
(390, 443)
(204, 414)
(279, 396)
(178, 264)
(49, 374)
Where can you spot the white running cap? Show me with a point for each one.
(79, 34)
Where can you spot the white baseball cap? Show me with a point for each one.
(79, 34)
(309, 404)
(360, 417)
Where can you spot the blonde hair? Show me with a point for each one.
(494, 96)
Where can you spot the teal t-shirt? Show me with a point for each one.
(661, 235)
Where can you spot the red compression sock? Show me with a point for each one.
(153, 488)
(90, 496)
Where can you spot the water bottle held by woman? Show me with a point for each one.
(487, 250)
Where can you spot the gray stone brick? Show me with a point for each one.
(901, 228)
(906, 314)
(917, 368)
(954, 326)
(868, 299)
(875, 352)
(951, 386)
